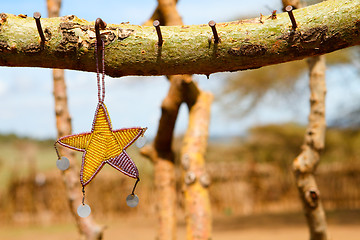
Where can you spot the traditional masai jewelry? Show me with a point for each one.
(102, 145)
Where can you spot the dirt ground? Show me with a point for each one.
(342, 225)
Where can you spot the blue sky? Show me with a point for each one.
(26, 93)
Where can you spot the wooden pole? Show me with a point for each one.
(304, 166)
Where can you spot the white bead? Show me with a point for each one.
(132, 200)
(63, 163)
(84, 210)
(140, 142)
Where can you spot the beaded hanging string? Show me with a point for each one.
(102, 145)
(101, 86)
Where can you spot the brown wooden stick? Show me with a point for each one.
(196, 179)
(182, 89)
(162, 156)
(161, 153)
(304, 165)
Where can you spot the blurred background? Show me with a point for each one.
(257, 127)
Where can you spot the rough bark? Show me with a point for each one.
(162, 155)
(304, 165)
(182, 90)
(161, 152)
(88, 229)
(196, 179)
(133, 50)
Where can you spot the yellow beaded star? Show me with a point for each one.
(103, 145)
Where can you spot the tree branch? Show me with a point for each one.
(160, 152)
(196, 179)
(133, 50)
(305, 164)
(162, 155)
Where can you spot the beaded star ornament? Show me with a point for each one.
(102, 145)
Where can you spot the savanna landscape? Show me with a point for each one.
(253, 188)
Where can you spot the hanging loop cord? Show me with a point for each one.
(100, 82)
